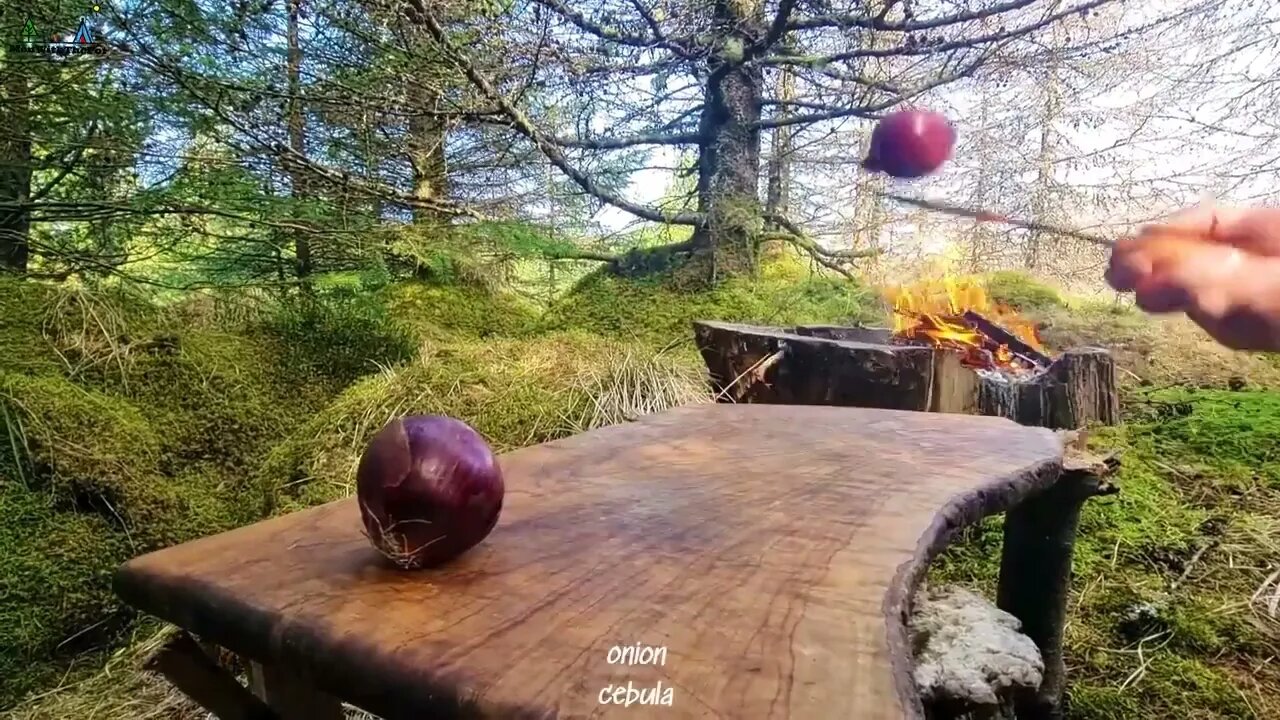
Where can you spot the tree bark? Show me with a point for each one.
(778, 192)
(1042, 199)
(15, 170)
(729, 155)
(426, 143)
(1078, 389)
(303, 266)
(428, 132)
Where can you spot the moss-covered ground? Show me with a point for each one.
(128, 423)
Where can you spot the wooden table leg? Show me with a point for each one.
(1035, 571)
(291, 698)
(191, 670)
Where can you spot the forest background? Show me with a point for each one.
(238, 237)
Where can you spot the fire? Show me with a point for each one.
(956, 313)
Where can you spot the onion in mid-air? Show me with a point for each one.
(910, 144)
(429, 489)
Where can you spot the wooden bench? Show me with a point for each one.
(771, 550)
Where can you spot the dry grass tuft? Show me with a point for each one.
(1157, 350)
(515, 393)
(629, 383)
(87, 330)
(124, 690)
(121, 689)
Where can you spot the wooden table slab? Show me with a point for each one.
(770, 549)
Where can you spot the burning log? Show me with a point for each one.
(1003, 337)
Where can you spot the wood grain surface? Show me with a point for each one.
(771, 549)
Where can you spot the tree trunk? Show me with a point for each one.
(297, 138)
(778, 193)
(729, 160)
(15, 171)
(1043, 196)
(426, 143)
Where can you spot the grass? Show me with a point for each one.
(194, 416)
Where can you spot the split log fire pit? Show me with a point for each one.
(950, 349)
(870, 367)
(958, 362)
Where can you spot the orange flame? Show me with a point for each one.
(932, 311)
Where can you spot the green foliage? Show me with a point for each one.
(339, 336)
(1021, 291)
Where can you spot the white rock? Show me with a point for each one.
(969, 650)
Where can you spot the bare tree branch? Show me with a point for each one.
(522, 124)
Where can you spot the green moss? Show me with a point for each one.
(1234, 433)
(440, 311)
(973, 559)
(1147, 521)
(657, 311)
(22, 310)
(1199, 626)
(57, 567)
(338, 336)
(1172, 685)
(1021, 291)
(145, 430)
(82, 441)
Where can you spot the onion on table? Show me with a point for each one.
(429, 489)
(910, 144)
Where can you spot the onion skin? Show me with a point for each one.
(910, 144)
(429, 489)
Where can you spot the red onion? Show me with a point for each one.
(910, 144)
(429, 489)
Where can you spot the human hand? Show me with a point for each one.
(1219, 265)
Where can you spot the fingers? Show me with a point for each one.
(1166, 269)
(1234, 295)
(1129, 265)
(1206, 221)
(1254, 229)
(1219, 265)
(1186, 274)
